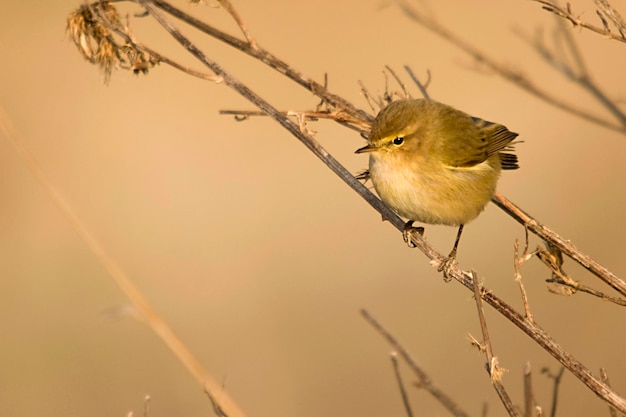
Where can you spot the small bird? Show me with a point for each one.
(434, 164)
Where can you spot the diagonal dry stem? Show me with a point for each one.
(606, 13)
(494, 369)
(504, 71)
(565, 246)
(425, 381)
(116, 272)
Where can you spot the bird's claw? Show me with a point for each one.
(408, 230)
(446, 266)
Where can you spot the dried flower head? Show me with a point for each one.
(92, 28)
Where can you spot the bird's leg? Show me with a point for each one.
(408, 229)
(450, 261)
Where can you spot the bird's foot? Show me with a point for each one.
(447, 265)
(408, 230)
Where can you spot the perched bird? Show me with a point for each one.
(434, 164)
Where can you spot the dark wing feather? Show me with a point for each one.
(508, 160)
(499, 139)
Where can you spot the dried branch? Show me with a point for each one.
(576, 71)
(495, 372)
(423, 87)
(518, 260)
(425, 381)
(529, 397)
(557, 241)
(605, 12)
(345, 108)
(546, 342)
(217, 406)
(567, 285)
(555, 388)
(241, 115)
(605, 379)
(405, 93)
(235, 15)
(405, 397)
(514, 77)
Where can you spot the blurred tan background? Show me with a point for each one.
(254, 252)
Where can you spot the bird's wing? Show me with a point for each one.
(492, 139)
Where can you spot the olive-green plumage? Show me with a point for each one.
(434, 164)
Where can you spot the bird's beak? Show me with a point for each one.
(368, 148)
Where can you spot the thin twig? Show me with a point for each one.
(605, 378)
(241, 115)
(235, 15)
(606, 11)
(424, 380)
(405, 93)
(545, 341)
(217, 406)
(512, 76)
(374, 106)
(269, 59)
(146, 406)
(495, 372)
(563, 245)
(423, 87)
(518, 260)
(529, 398)
(555, 387)
(405, 397)
(577, 72)
(568, 286)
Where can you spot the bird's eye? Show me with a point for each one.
(398, 141)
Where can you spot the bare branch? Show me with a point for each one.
(529, 398)
(569, 286)
(405, 93)
(605, 379)
(518, 261)
(545, 341)
(269, 59)
(605, 12)
(338, 117)
(405, 397)
(555, 389)
(576, 72)
(424, 380)
(563, 245)
(495, 372)
(422, 86)
(512, 76)
(235, 15)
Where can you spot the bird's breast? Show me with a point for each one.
(431, 192)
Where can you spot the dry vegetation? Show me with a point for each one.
(105, 38)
